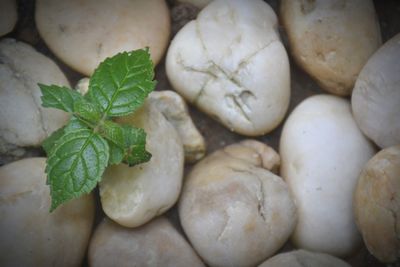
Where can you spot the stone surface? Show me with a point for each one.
(322, 153)
(304, 258)
(231, 64)
(132, 196)
(30, 234)
(155, 244)
(377, 205)
(83, 34)
(23, 121)
(331, 39)
(234, 211)
(175, 110)
(376, 96)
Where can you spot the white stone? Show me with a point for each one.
(376, 95)
(84, 33)
(233, 210)
(156, 243)
(30, 234)
(323, 152)
(231, 64)
(23, 120)
(132, 196)
(175, 110)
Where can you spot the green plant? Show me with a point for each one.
(79, 152)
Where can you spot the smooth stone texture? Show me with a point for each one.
(132, 196)
(84, 33)
(23, 121)
(304, 258)
(30, 234)
(332, 39)
(323, 152)
(377, 205)
(376, 95)
(8, 16)
(233, 210)
(231, 64)
(155, 244)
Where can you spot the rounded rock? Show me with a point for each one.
(231, 64)
(233, 210)
(132, 196)
(332, 39)
(84, 33)
(377, 204)
(323, 152)
(376, 95)
(30, 234)
(23, 120)
(155, 244)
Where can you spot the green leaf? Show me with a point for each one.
(75, 165)
(75, 123)
(79, 152)
(128, 140)
(113, 132)
(117, 153)
(63, 98)
(49, 142)
(87, 111)
(135, 143)
(120, 84)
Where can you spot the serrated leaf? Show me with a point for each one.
(129, 139)
(50, 141)
(79, 152)
(75, 165)
(63, 98)
(120, 84)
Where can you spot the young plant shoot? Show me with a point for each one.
(79, 152)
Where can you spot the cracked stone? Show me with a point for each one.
(233, 210)
(223, 56)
